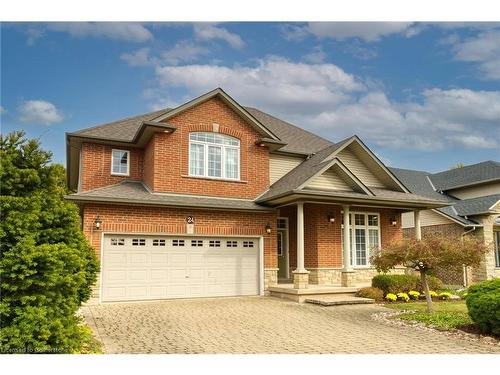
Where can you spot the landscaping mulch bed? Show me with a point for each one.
(468, 332)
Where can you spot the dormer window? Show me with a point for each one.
(214, 155)
(120, 161)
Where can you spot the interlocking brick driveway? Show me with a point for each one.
(260, 325)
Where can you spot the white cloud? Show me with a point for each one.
(271, 83)
(316, 56)
(184, 51)
(483, 49)
(329, 101)
(368, 31)
(208, 31)
(2, 110)
(126, 31)
(140, 57)
(34, 33)
(39, 112)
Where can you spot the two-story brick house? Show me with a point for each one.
(215, 199)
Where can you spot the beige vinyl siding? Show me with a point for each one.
(280, 165)
(359, 169)
(476, 191)
(427, 217)
(329, 180)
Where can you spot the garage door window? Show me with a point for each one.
(196, 243)
(247, 243)
(232, 244)
(214, 243)
(158, 242)
(138, 242)
(118, 241)
(178, 243)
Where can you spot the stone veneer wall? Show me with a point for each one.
(333, 275)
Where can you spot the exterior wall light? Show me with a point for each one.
(331, 218)
(97, 222)
(394, 222)
(268, 228)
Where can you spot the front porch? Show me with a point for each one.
(314, 259)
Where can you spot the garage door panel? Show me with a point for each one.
(163, 268)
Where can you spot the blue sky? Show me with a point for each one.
(422, 96)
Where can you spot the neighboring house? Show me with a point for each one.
(215, 199)
(473, 193)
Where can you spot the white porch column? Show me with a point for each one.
(347, 241)
(418, 231)
(347, 276)
(300, 237)
(300, 275)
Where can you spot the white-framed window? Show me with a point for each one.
(120, 162)
(214, 155)
(364, 229)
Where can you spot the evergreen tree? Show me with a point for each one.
(47, 267)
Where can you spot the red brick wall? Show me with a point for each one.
(166, 157)
(171, 154)
(96, 166)
(130, 219)
(322, 239)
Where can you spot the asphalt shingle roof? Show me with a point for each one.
(421, 182)
(297, 140)
(468, 175)
(131, 192)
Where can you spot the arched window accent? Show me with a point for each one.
(214, 155)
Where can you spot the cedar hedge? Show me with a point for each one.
(403, 283)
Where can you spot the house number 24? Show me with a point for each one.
(190, 220)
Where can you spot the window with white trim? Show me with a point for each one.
(120, 162)
(214, 155)
(366, 238)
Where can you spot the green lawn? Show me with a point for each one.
(447, 315)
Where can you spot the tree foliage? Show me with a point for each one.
(47, 267)
(430, 253)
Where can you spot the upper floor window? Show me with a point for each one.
(214, 155)
(120, 162)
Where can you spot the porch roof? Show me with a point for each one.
(381, 197)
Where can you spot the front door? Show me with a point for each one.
(282, 242)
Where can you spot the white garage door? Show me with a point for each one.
(158, 267)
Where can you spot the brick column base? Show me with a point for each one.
(347, 278)
(300, 279)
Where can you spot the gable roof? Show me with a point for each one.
(293, 181)
(418, 182)
(476, 206)
(465, 176)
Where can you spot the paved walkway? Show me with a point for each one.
(260, 325)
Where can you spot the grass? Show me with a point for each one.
(447, 315)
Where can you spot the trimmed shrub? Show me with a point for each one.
(483, 303)
(395, 283)
(371, 292)
(391, 297)
(433, 282)
(414, 294)
(403, 296)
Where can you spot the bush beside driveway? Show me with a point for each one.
(260, 325)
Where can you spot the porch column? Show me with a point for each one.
(416, 217)
(300, 275)
(347, 271)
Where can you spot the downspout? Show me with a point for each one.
(465, 279)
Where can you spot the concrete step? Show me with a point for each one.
(337, 300)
